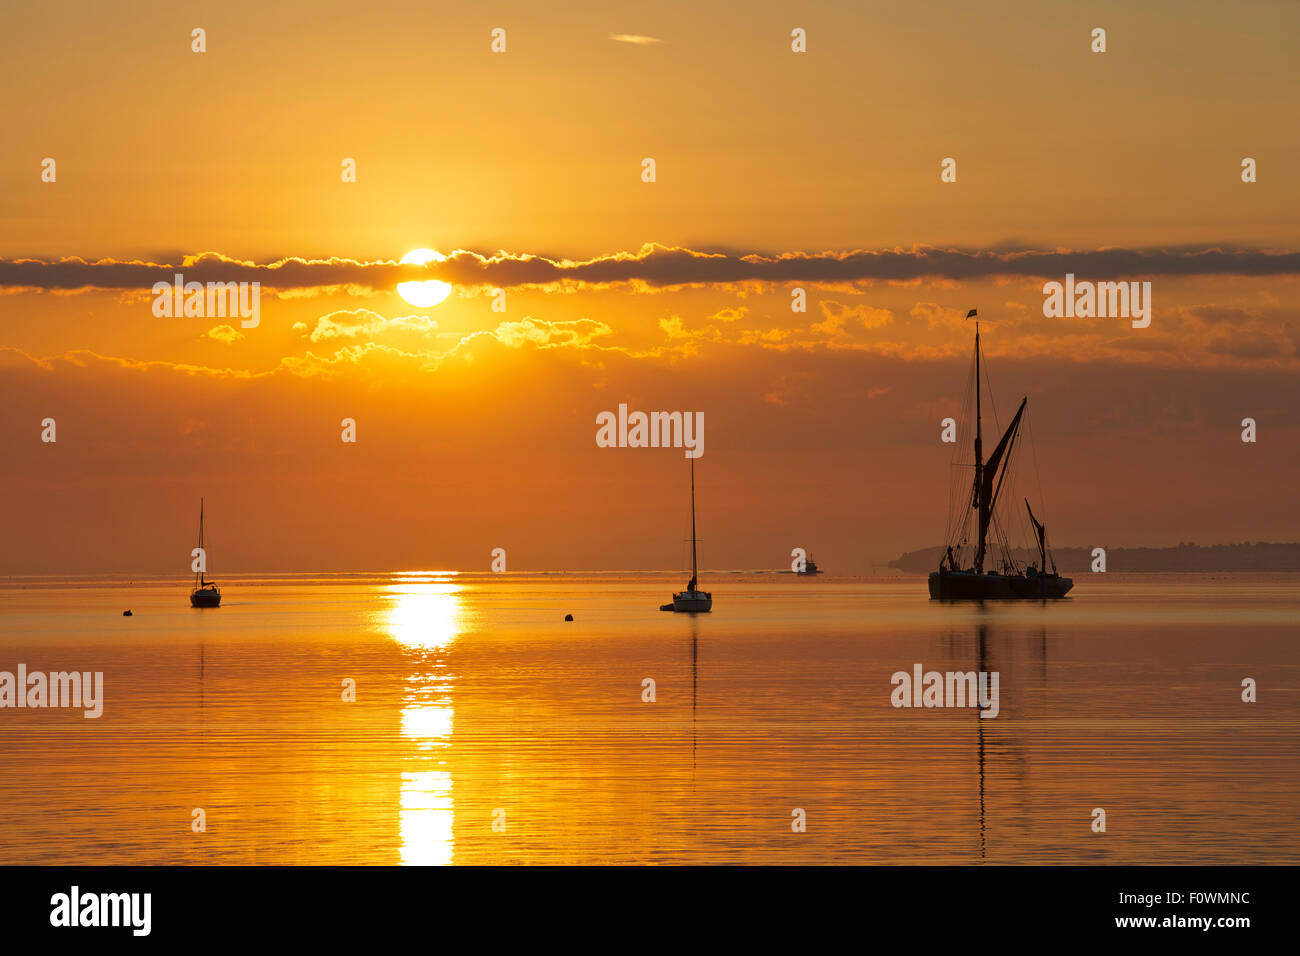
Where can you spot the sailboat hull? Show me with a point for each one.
(205, 597)
(948, 585)
(690, 602)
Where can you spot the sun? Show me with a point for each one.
(423, 295)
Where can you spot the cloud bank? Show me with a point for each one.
(652, 266)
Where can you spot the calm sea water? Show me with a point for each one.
(477, 704)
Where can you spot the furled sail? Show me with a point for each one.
(988, 493)
(1041, 531)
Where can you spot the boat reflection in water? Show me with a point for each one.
(424, 617)
(1000, 752)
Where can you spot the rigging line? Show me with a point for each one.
(1004, 525)
(1014, 501)
(1038, 475)
(956, 491)
(992, 401)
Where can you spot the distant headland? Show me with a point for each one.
(1247, 556)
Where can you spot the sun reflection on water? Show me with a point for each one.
(424, 617)
(425, 610)
(427, 818)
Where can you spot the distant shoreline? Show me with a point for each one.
(1258, 556)
(914, 564)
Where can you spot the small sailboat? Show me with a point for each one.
(205, 593)
(692, 600)
(959, 578)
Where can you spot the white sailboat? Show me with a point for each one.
(692, 600)
(205, 593)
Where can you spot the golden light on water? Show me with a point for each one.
(427, 819)
(427, 723)
(425, 618)
(425, 611)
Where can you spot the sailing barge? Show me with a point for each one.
(958, 579)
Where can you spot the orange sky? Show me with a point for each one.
(775, 171)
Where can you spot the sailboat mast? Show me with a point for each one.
(979, 458)
(694, 566)
(203, 555)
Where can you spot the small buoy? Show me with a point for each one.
(568, 617)
(126, 613)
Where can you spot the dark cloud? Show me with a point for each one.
(293, 273)
(658, 266)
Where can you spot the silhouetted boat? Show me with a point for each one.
(957, 580)
(692, 600)
(205, 593)
(810, 567)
